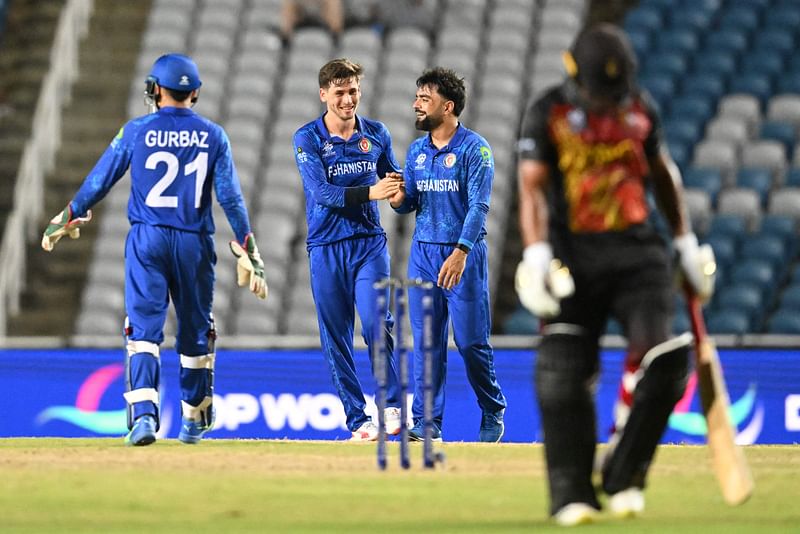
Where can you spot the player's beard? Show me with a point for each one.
(427, 123)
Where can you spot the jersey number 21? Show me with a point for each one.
(156, 198)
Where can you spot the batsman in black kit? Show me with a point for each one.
(589, 152)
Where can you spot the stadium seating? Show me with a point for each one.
(745, 164)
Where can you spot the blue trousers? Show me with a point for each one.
(467, 306)
(163, 263)
(342, 278)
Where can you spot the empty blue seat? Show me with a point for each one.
(792, 178)
(708, 85)
(645, 17)
(779, 131)
(754, 271)
(659, 4)
(665, 63)
(766, 248)
(782, 226)
(705, 6)
(727, 40)
(685, 131)
(784, 322)
(640, 41)
(758, 85)
(660, 86)
(745, 298)
(715, 62)
(786, 18)
(709, 180)
(677, 40)
(739, 18)
(781, 43)
(729, 224)
(695, 108)
(795, 276)
(728, 321)
(790, 297)
(758, 179)
(765, 62)
(753, 5)
(521, 323)
(789, 82)
(693, 18)
(724, 247)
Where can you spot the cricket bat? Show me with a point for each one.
(729, 463)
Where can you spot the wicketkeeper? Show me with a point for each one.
(176, 157)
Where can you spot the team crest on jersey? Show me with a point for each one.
(365, 145)
(327, 150)
(302, 157)
(449, 160)
(420, 161)
(576, 119)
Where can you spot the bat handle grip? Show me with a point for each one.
(695, 310)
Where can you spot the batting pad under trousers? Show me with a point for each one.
(161, 264)
(467, 305)
(342, 278)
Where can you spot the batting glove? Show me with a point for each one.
(249, 266)
(61, 225)
(542, 281)
(698, 265)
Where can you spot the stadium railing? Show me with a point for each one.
(38, 156)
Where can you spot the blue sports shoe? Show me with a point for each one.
(492, 427)
(417, 432)
(143, 431)
(192, 431)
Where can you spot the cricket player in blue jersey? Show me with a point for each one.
(448, 181)
(176, 157)
(341, 157)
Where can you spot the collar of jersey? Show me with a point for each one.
(171, 110)
(326, 134)
(458, 137)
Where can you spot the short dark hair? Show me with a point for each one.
(178, 96)
(339, 70)
(448, 84)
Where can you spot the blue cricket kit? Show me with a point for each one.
(449, 188)
(176, 157)
(347, 246)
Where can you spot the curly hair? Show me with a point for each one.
(448, 84)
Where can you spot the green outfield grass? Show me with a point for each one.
(99, 485)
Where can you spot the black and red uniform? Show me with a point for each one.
(600, 228)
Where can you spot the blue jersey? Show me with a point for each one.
(449, 188)
(329, 166)
(175, 156)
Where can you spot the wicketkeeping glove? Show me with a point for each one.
(249, 266)
(61, 225)
(698, 265)
(542, 281)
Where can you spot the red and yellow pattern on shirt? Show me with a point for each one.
(604, 166)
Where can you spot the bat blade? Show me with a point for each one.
(730, 465)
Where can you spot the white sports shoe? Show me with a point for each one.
(366, 432)
(627, 503)
(575, 513)
(391, 417)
